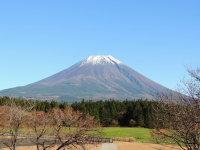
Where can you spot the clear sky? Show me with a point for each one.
(157, 38)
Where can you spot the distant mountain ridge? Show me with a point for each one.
(96, 77)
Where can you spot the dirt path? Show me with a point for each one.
(108, 146)
(87, 147)
(144, 146)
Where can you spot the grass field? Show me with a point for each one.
(140, 134)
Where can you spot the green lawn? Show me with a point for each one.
(140, 134)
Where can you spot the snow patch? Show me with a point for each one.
(96, 60)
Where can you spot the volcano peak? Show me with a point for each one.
(100, 60)
(96, 77)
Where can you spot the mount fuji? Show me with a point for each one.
(96, 77)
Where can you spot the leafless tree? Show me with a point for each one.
(40, 124)
(73, 128)
(177, 115)
(11, 119)
(57, 128)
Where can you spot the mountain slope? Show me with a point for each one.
(96, 77)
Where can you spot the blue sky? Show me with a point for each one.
(156, 38)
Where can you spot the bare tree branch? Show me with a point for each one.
(177, 116)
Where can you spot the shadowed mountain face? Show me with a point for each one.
(96, 77)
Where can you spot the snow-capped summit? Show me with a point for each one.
(100, 59)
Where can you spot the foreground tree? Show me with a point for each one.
(73, 128)
(177, 116)
(12, 117)
(40, 124)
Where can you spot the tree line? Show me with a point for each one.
(118, 113)
(38, 105)
(107, 113)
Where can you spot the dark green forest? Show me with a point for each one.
(107, 113)
(118, 113)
